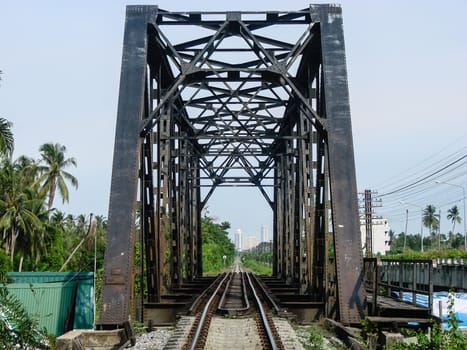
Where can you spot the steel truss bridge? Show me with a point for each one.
(216, 99)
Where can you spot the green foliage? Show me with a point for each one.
(6, 138)
(35, 237)
(430, 220)
(316, 339)
(5, 263)
(54, 259)
(369, 327)
(20, 212)
(17, 329)
(52, 174)
(99, 281)
(258, 260)
(257, 268)
(215, 245)
(83, 260)
(428, 254)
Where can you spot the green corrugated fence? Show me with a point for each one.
(48, 297)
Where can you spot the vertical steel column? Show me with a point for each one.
(163, 197)
(195, 217)
(280, 214)
(150, 240)
(183, 203)
(175, 216)
(320, 219)
(306, 203)
(345, 219)
(277, 217)
(118, 277)
(192, 215)
(289, 195)
(173, 179)
(300, 207)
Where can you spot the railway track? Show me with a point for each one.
(235, 307)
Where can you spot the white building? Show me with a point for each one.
(380, 235)
(264, 234)
(238, 240)
(250, 242)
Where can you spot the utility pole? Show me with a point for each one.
(368, 204)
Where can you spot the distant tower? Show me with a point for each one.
(238, 239)
(264, 234)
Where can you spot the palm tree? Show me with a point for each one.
(17, 208)
(454, 216)
(53, 175)
(430, 218)
(33, 243)
(6, 138)
(28, 168)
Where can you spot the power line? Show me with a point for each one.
(433, 160)
(424, 178)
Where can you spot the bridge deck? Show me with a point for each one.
(393, 313)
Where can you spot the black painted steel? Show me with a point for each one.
(341, 165)
(119, 254)
(219, 99)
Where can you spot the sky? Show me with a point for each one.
(407, 76)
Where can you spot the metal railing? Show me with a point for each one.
(406, 280)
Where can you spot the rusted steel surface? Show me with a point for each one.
(343, 186)
(118, 276)
(222, 106)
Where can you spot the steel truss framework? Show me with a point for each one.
(209, 100)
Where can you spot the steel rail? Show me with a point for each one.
(266, 294)
(205, 312)
(202, 296)
(246, 303)
(264, 318)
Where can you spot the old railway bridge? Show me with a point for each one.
(213, 99)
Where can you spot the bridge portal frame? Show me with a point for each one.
(164, 155)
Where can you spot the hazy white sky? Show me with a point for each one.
(407, 76)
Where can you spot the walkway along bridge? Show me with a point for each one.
(215, 99)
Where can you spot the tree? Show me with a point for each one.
(430, 220)
(28, 168)
(454, 216)
(52, 173)
(32, 244)
(17, 207)
(6, 138)
(216, 244)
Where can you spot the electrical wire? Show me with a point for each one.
(423, 178)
